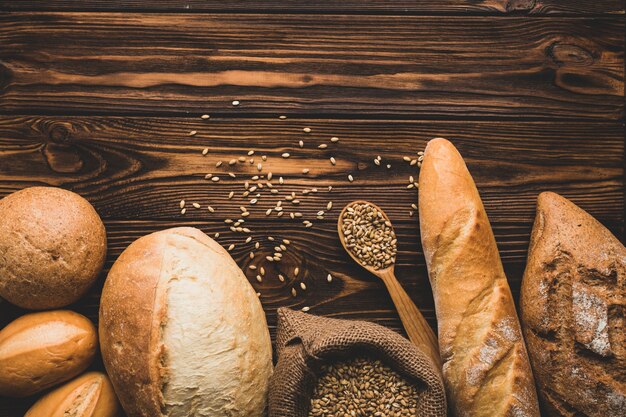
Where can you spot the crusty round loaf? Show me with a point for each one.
(89, 395)
(183, 333)
(40, 350)
(52, 247)
(573, 305)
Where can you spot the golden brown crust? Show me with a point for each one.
(486, 366)
(89, 395)
(573, 307)
(228, 338)
(40, 350)
(127, 340)
(52, 247)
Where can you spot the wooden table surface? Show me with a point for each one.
(100, 97)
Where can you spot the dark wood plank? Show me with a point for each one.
(131, 167)
(462, 7)
(120, 63)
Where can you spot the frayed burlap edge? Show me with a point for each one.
(305, 342)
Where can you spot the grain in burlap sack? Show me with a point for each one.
(305, 342)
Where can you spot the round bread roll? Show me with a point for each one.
(52, 247)
(40, 350)
(182, 332)
(89, 395)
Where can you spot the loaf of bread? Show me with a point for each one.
(485, 363)
(182, 331)
(573, 309)
(40, 350)
(89, 395)
(52, 247)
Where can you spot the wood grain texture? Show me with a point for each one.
(116, 63)
(139, 167)
(101, 101)
(461, 7)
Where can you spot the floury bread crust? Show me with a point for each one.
(183, 333)
(486, 368)
(573, 307)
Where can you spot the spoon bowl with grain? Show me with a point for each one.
(367, 234)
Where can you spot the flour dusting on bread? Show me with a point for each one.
(486, 367)
(573, 304)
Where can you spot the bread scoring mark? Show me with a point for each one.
(493, 374)
(213, 246)
(582, 326)
(58, 333)
(476, 307)
(594, 276)
(509, 329)
(453, 233)
(158, 372)
(85, 401)
(590, 315)
(559, 404)
(554, 281)
(503, 334)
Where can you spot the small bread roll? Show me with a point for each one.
(40, 350)
(52, 247)
(89, 395)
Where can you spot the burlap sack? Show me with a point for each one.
(305, 342)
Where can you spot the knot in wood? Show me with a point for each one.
(60, 132)
(520, 5)
(567, 54)
(60, 152)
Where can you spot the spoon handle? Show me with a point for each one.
(414, 323)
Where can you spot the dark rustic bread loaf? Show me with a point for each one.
(573, 301)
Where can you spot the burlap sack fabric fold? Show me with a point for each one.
(305, 342)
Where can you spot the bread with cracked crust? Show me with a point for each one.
(485, 363)
(573, 308)
(182, 331)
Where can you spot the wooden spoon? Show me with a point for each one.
(416, 327)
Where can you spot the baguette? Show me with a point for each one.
(485, 363)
